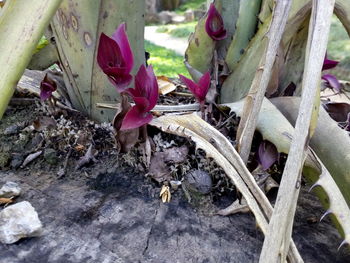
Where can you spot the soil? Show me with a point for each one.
(108, 210)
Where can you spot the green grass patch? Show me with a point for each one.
(179, 31)
(191, 4)
(164, 61)
(339, 43)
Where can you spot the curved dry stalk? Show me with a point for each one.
(277, 242)
(275, 128)
(261, 80)
(220, 149)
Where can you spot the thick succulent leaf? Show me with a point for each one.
(342, 10)
(77, 27)
(237, 84)
(330, 142)
(265, 10)
(21, 27)
(200, 50)
(275, 128)
(292, 71)
(245, 30)
(220, 149)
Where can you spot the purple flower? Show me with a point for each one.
(329, 64)
(145, 96)
(115, 58)
(47, 86)
(332, 82)
(199, 90)
(214, 25)
(267, 154)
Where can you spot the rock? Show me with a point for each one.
(165, 17)
(10, 189)
(50, 156)
(189, 16)
(177, 19)
(198, 181)
(19, 221)
(17, 160)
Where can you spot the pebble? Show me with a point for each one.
(10, 189)
(19, 221)
(199, 181)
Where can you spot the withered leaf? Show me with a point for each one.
(159, 169)
(44, 123)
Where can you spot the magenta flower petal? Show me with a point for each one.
(47, 87)
(199, 90)
(108, 53)
(191, 85)
(329, 64)
(122, 40)
(119, 77)
(146, 86)
(145, 96)
(45, 94)
(214, 25)
(115, 58)
(267, 154)
(332, 82)
(204, 84)
(135, 118)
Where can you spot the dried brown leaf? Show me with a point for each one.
(165, 86)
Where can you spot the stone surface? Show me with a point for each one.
(165, 17)
(118, 217)
(189, 15)
(10, 189)
(19, 221)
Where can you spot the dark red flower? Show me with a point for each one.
(115, 58)
(329, 64)
(199, 90)
(47, 87)
(214, 25)
(145, 96)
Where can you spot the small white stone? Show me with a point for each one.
(19, 221)
(10, 189)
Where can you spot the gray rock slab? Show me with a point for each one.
(10, 189)
(18, 221)
(119, 218)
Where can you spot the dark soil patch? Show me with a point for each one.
(109, 211)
